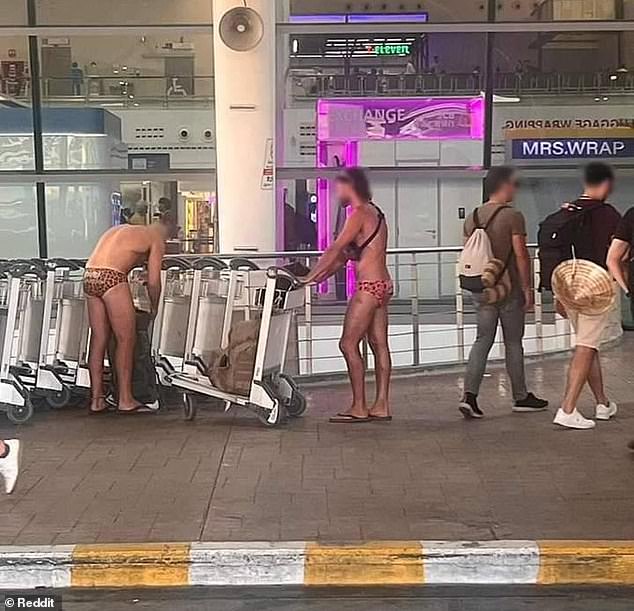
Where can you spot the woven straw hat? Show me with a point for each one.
(583, 286)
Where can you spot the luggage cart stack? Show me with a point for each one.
(21, 298)
(207, 312)
(63, 368)
(272, 297)
(170, 325)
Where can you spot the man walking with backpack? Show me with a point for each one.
(496, 269)
(582, 230)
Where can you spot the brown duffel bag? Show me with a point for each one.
(231, 369)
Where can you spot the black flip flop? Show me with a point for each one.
(347, 419)
(380, 418)
(141, 408)
(99, 412)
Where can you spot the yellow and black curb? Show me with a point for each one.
(318, 564)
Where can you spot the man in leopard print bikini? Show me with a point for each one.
(110, 306)
(363, 239)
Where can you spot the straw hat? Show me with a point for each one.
(583, 286)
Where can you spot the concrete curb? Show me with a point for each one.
(314, 564)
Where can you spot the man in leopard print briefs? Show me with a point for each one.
(110, 306)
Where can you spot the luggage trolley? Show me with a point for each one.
(274, 295)
(31, 299)
(170, 325)
(65, 333)
(207, 313)
(17, 279)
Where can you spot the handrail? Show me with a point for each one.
(317, 253)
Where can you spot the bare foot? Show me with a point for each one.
(356, 411)
(380, 409)
(98, 405)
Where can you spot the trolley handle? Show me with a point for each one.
(59, 263)
(209, 262)
(241, 263)
(175, 263)
(26, 268)
(281, 273)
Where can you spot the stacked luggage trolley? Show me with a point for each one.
(205, 303)
(203, 306)
(43, 335)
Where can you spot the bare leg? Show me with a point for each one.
(122, 317)
(357, 322)
(99, 337)
(577, 376)
(595, 380)
(378, 337)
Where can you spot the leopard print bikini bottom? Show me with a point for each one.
(99, 280)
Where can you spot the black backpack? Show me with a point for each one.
(561, 235)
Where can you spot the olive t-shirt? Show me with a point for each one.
(507, 223)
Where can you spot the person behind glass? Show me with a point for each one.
(585, 365)
(110, 306)
(363, 239)
(77, 78)
(506, 229)
(9, 463)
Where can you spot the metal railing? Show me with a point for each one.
(125, 89)
(432, 322)
(505, 83)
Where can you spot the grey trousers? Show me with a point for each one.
(511, 314)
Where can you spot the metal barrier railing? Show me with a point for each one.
(504, 83)
(432, 322)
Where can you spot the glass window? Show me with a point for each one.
(560, 10)
(124, 12)
(93, 88)
(16, 117)
(404, 64)
(18, 221)
(13, 12)
(342, 11)
(562, 98)
(78, 212)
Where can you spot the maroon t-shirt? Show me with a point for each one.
(604, 219)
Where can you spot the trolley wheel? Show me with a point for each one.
(296, 404)
(270, 418)
(19, 414)
(57, 400)
(189, 407)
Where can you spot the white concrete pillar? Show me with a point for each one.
(245, 132)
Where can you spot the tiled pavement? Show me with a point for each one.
(427, 475)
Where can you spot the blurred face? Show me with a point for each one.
(343, 191)
(508, 190)
(605, 189)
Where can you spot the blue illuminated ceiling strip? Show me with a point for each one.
(361, 18)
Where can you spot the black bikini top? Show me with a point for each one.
(353, 250)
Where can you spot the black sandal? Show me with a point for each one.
(348, 419)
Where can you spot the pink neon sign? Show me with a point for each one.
(400, 119)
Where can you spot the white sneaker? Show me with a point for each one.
(573, 421)
(10, 466)
(605, 412)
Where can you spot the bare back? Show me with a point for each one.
(373, 262)
(124, 247)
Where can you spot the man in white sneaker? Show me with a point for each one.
(601, 220)
(9, 463)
